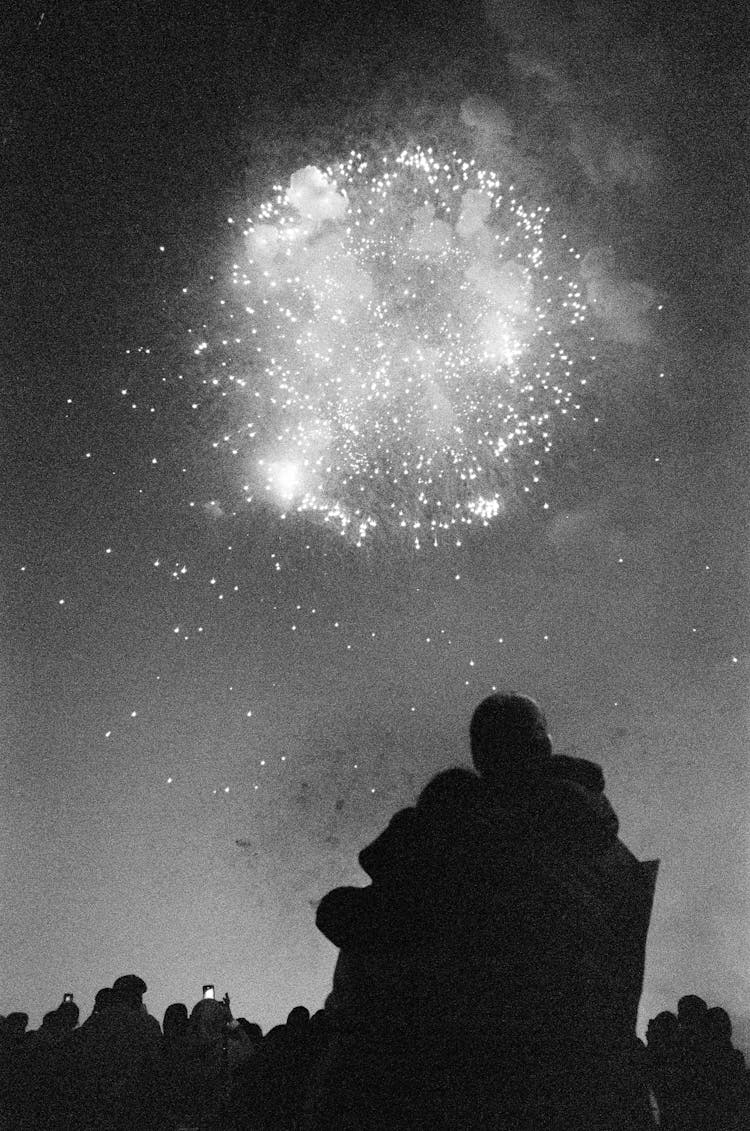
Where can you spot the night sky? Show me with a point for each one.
(210, 699)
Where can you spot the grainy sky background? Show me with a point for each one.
(128, 128)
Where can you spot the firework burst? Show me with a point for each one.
(403, 344)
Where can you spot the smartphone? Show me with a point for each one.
(208, 992)
(67, 997)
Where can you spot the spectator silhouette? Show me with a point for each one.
(691, 1012)
(14, 1042)
(699, 1078)
(180, 1051)
(113, 1075)
(724, 1069)
(14, 1029)
(295, 1059)
(492, 969)
(132, 988)
(175, 1025)
(102, 1002)
(69, 1014)
(221, 1047)
(208, 1021)
(663, 1063)
(257, 1100)
(52, 1029)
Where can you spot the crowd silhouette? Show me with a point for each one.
(489, 977)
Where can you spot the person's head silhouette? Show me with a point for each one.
(717, 1026)
(175, 1023)
(129, 990)
(15, 1025)
(691, 1011)
(661, 1031)
(298, 1019)
(509, 738)
(69, 1014)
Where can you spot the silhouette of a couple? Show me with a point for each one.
(490, 973)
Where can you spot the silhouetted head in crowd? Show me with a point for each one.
(130, 984)
(509, 739)
(298, 1019)
(129, 990)
(69, 1014)
(208, 1018)
(15, 1025)
(661, 1031)
(53, 1022)
(175, 1023)
(691, 1012)
(102, 1001)
(717, 1026)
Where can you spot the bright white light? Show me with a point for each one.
(284, 479)
(415, 334)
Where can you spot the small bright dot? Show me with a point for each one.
(169, 781)
(107, 733)
(133, 714)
